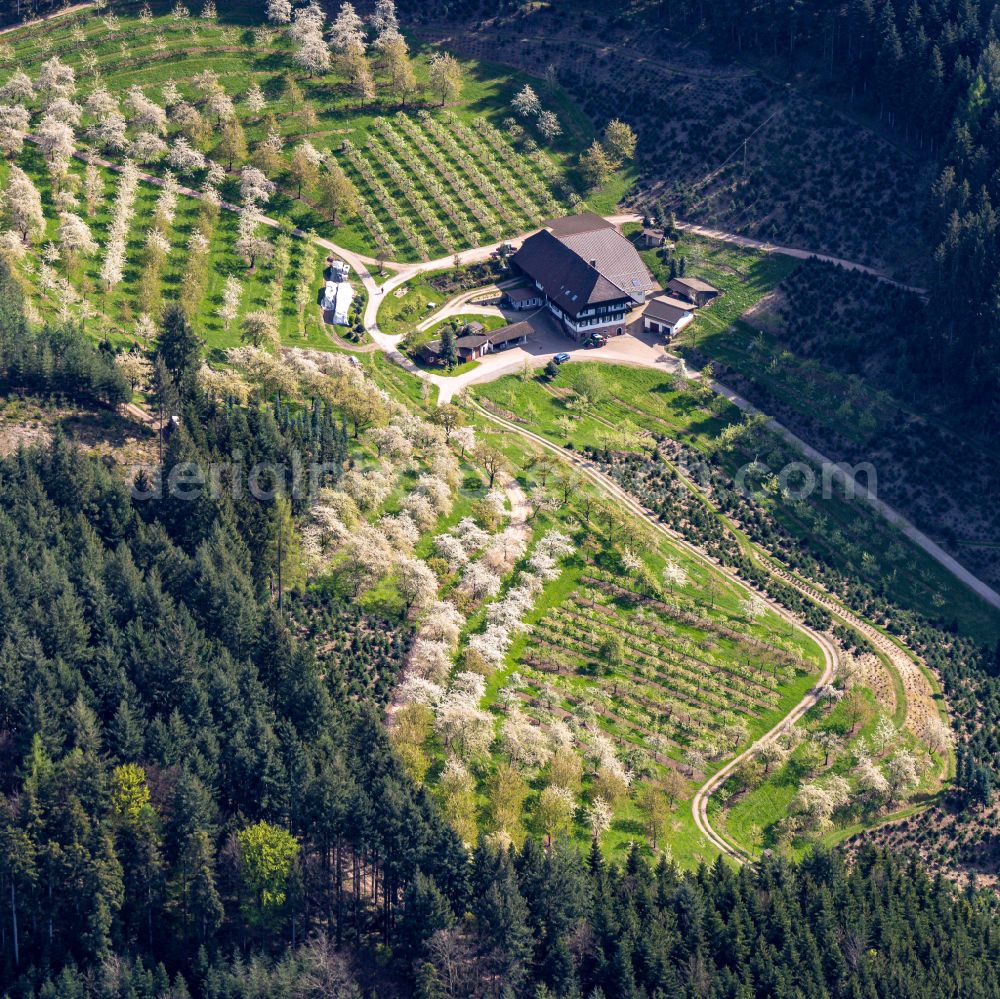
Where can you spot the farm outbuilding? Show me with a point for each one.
(693, 290)
(666, 316)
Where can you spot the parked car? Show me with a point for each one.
(561, 358)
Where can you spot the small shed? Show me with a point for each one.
(653, 239)
(693, 290)
(666, 316)
(477, 345)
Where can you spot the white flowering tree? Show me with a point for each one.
(255, 188)
(55, 79)
(417, 584)
(75, 238)
(99, 102)
(109, 131)
(313, 55)
(57, 142)
(884, 735)
(254, 100)
(902, 773)
(442, 622)
(464, 728)
(526, 102)
(145, 115)
(18, 89)
(479, 582)
(250, 243)
(232, 293)
(147, 147)
(22, 206)
(754, 607)
(599, 817)
(279, 11)
(65, 110)
(674, 574)
(14, 123)
(184, 158)
(348, 30)
(306, 21)
(384, 18)
(871, 781)
(549, 126)
(524, 742)
(430, 659)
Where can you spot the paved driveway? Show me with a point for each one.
(642, 350)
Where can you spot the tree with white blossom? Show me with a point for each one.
(416, 582)
(22, 206)
(99, 102)
(313, 55)
(902, 774)
(14, 124)
(55, 79)
(147, 147)
(442, 622)
(250, 242)
(56, 140)
(220, 106)
(526, 102)
(93, 188)
(279, 11)
(384, 18)
(75, 238)
(109, 132)
(64, 110)
(184, 158)
(306, 21)
(232, 292)
(599, 817)
(524, 742)
(754, 607)
(18, 88)
(347, 32)
(479, 582)
(871, 781)
(431, 659)
(255, 188)
(254, 100)
(674, 574)
(145, 115)
(465, 728)
(549, 126)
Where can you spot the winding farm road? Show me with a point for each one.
(699, 804)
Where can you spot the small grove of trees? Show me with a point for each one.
(54, 360)
(606, 155)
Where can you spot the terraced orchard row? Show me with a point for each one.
(435, 184)
(654, 675)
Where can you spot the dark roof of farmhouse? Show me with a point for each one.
(584, 260)
(564, 275)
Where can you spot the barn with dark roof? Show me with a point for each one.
(590, 275)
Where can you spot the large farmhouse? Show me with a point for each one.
(587, 273)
